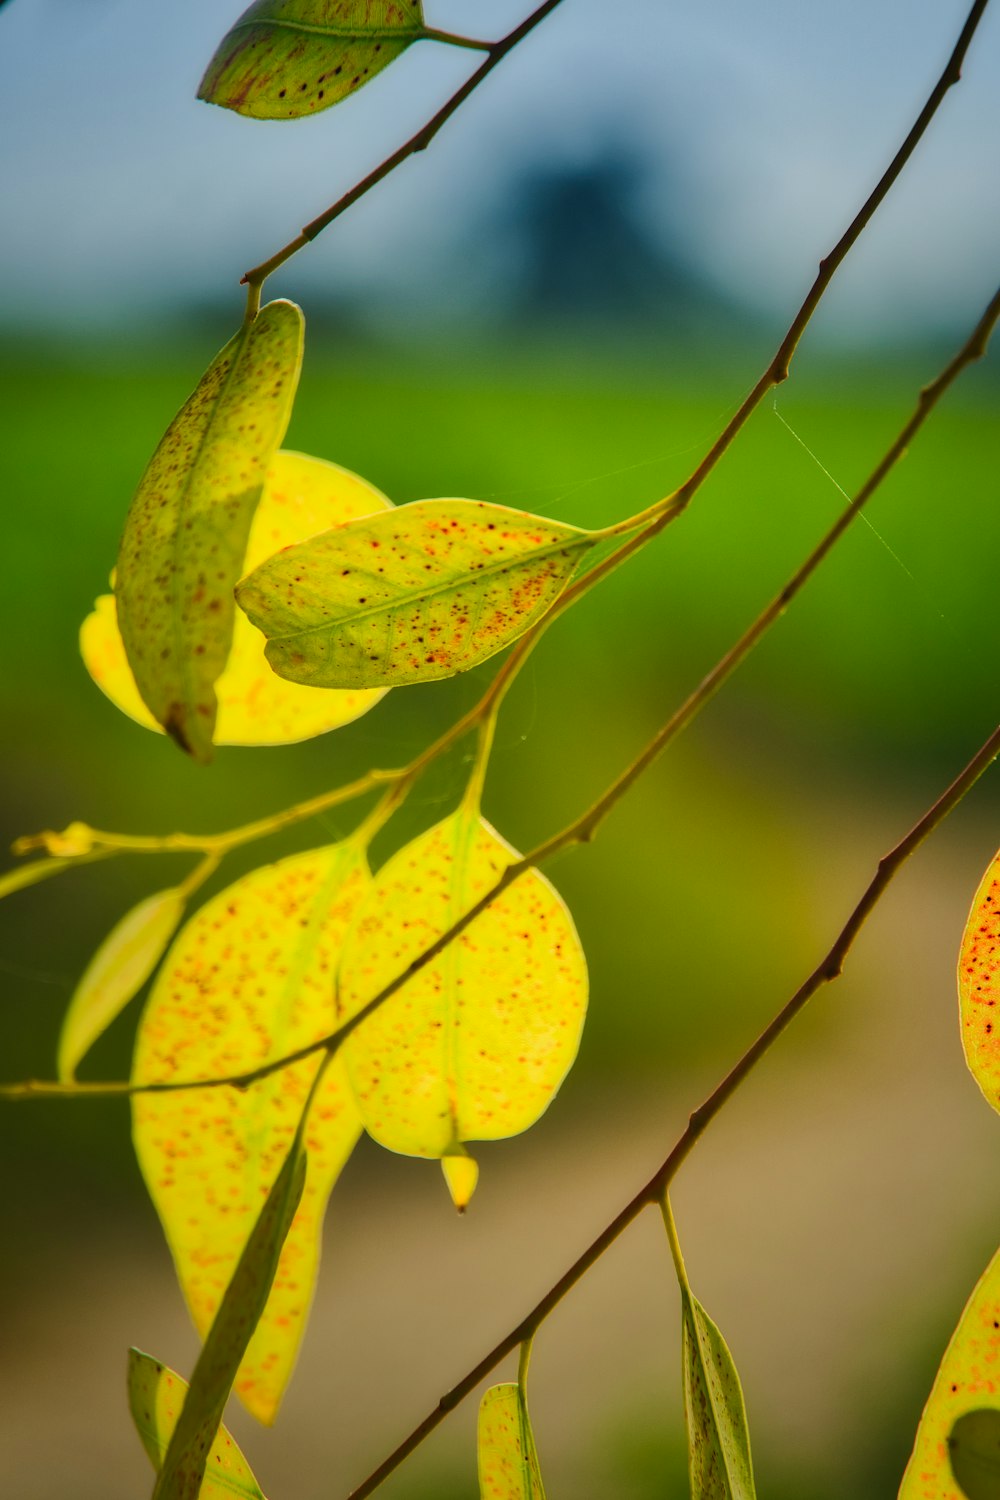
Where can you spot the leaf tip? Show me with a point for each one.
(461, 1173)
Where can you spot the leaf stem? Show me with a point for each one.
(674, 1242)
(432, 34)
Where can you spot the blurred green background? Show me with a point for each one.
(558, 307)
(836, 1217)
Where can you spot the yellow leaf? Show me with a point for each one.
(433, 589)
(301, 496)
(186, 530)
(967, 1382)
(156, 1396)
(117, 971)
(508, 1462)
(248, 979)
(979, 985)
(476, 1043)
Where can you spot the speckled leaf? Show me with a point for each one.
(968, 1381)
(423, 592)
(718, 1440)
(249, 978)
(200, 1418)
(979, 985)
(117, 971)
(508, 1462)
(155, 1397)
(301, 496)
(186, 532)
(286, 58)
(476, 1043)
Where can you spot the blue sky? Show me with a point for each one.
(763, 125)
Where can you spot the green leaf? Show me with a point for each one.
(249, 979)
(117, 971)
(287, 58)
(475, 1044)
(412, 595)
(979, 985)
(950, 1448)
(197, 1429)
(718, 1439)
(508, 1462)
(186, 532)
(155, 1397)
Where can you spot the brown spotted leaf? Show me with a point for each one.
(956, 1454)
(249, 978)
(718, 1439)
(287, 58)
(197, 1430)
(155, 1397)
(979, 985)
(508, 1462)
(186, 532)
(476, 1043)
(415, 594)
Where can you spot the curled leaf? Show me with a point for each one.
(156, 1396)
(186, 531)
(286, 58)
(979, 985)
(117, 971)
(301, 496)
(197, 1430)
(476, 1043)
(427, 591)
(508, 1462)
(718, 1438)
(954, 1456)
(248, 979)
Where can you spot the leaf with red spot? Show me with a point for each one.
(155, 1397)
(419, 593)
(197, 1430)
(508, 1461)
(979, 985)
(719, 1462)
(955, 1455)
(249, 979)
(185, 535)
(302, 495)
(477, 1041)
(287, 58)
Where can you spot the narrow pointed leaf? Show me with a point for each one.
(155, 1396)
(476, 1043)
(117, 971)
(248, 979)
(286, 58)
(956, 1452)
(302, 496)
(186, 532)
(421, 593)
(718, 1438)
(508, 1462)
(979, 985)
(197, 1429)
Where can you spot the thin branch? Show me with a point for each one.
(828, 969)
(778, 370)
(255, 278)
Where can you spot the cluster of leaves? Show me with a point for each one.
(432, 1003)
